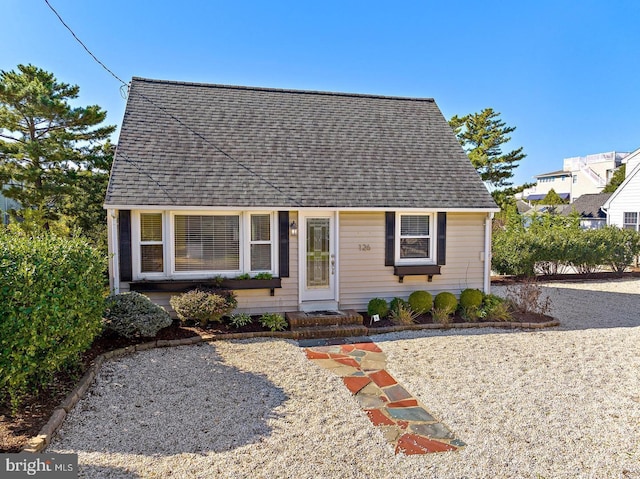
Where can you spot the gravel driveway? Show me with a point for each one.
(557, 403)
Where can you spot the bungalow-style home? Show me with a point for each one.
(589, 207)
(623, 206)
(325, 200)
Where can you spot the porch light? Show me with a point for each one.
(294, 228)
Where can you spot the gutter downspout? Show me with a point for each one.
(112, 232)
(487, 253)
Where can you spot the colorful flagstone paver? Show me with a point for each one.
(405, 422)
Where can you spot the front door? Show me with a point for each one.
(318, 257)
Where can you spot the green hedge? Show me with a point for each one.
(51, 303)
(544, 243)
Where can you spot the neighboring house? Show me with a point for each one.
(579, 176)
(6, 205)
(341, 197)
(623, 207)
(589, 207)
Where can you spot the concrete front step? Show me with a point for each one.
(301, 319)
(339, 331)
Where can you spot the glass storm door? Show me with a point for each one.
(319, 258)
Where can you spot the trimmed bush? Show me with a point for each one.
(445, 301)
(203, 306)
(133, 315)
(396, 303)
(273, 321)
(378, 306)
(51, 304)
(471, 298)
(421, 301)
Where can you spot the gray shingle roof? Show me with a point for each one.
(192, 144)
(588, 206)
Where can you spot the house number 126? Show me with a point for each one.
(364, 247)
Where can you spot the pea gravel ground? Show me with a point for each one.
(558, 403)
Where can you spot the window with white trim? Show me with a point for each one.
(414, 239)
(151, 243)
(206, 243)
(630, 221)
(260, 243)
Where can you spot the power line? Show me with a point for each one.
(83, 45)
(184, 125)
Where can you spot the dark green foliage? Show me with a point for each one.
(263, 276)
(243, 276)
(238, 320)
(273, 321)
(482, 136)
(421, 301)
(50, 150)
(544, 243)
(471, 298)
(203, 306)
(378, 306)
(51, 304)
(134, 315)
(396, 303)
(445, 301)
(616, 179)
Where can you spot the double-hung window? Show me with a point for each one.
(414, 239)
(206, 243)
(151, 243)
(201, 245)
(630, 221)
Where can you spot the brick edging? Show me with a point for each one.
(43, 439)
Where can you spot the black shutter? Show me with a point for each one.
(283, 232)
(124, 245)
(442, 238)
(390, 238)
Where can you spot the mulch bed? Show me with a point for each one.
(427, 319)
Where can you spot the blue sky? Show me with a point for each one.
(565, 73)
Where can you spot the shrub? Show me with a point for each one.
(527, 297)
(445, 301)
(396, 303)
(203, 306)
(620, 246)
(51, 304)
(421, 301)
(378, 306)
(238, 320)
(494, 308)
(134, 315)
(402, 313)
(470, 302)
(441, 316)
(273, 321)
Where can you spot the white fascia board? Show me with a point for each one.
(294, 208)
(607, 203)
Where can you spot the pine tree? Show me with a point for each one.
(482, 136)
(46, 145)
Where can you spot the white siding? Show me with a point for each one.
(627, 198)
(363, 274)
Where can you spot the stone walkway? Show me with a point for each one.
(405, 422)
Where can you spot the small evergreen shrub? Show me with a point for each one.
(421, 301)
(239, 320)
(445, 301)
(51, 305)
(203, 306)
(395, 303)
(470, 302)
(402, 314)
(273, 321)
(134, 315)
(378, 306)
